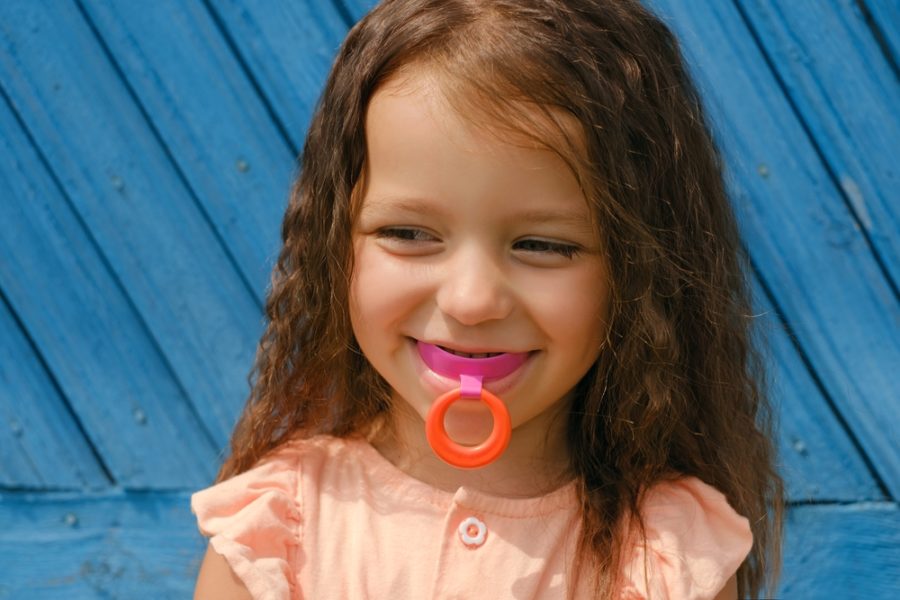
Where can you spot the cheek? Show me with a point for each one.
(383, 291)
(574, 310)
(367, 299)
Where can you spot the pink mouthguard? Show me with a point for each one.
(470, 371)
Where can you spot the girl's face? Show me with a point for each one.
(478, 246)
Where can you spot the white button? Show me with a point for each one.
(472, 532)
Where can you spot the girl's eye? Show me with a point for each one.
(404, 234)
(547, 247)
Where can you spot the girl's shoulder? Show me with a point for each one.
(274, 478)
(273, 486)
(695, 541)
(254, 518)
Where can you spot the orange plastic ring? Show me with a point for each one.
(468, 457)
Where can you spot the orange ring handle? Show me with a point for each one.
(468, 457)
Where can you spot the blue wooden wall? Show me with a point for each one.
(146, 149)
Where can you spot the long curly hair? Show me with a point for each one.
(679, 387)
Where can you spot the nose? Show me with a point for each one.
(474, 288)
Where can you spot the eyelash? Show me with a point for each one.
(407, 235)
(565, 250)
(403, 234)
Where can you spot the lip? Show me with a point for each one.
(500, 372)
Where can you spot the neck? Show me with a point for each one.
(535, 462)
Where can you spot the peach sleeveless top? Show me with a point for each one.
(332, 518)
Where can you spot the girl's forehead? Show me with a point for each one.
(417, 92)
(423, 154)
(410, 100)
(418, 127)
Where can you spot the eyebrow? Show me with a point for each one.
(422, 206)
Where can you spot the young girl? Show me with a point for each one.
(517, 202)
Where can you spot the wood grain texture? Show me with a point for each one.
(218, 130)
(105, 546)
(801, 235)
(125, 188)
(886, 19)
(95, 345)
(841, 551)
(41, 445)
(288, 47)
(817, 458)
(847, 97)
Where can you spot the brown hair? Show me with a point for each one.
(679, 387)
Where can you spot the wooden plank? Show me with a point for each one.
(817, 458)
(123, 185)
(95, 345)
(848, 98)
(358, 8)
(209, 117)
(111, 546)
(800, 233)
(41, 446)
(288, 46)
(841, 551)
(886, 18)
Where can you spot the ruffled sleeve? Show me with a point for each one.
(253, 521)
(695, 543)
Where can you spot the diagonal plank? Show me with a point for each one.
(94, 344)
(288, 46)
(848, 98)
(41, 446)
(818, 460)
(123, 185)
(209, 117)
(886, 18)
(108, 546)
(802, 237)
